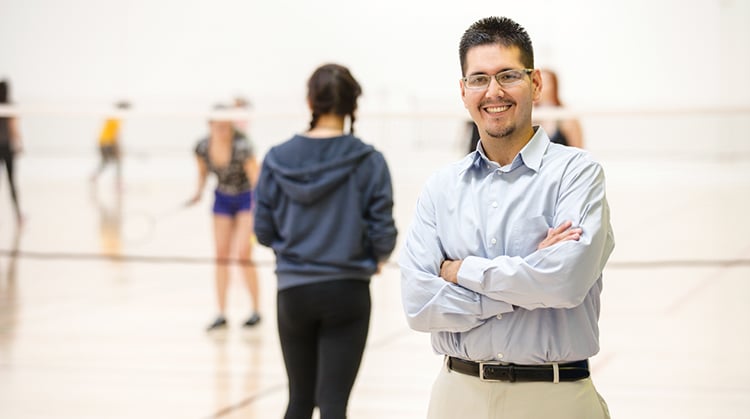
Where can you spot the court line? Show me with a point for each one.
(379, 343)
(248, 401)
(622, 264)
(25, 254)
(698, 289)
(677, 263)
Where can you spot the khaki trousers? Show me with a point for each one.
(460, 396)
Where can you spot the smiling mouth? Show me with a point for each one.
(496, 109)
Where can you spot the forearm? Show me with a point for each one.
(556, 277)
(433, 304)
(559, 276)
(252, 171)
(382, 233)
(263, 225)
(383, 244)
(202, 176)
(430, 303)
(200, 186)
(381, 228)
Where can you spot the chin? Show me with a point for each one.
(501, 132)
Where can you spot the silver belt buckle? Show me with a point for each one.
(481, 372)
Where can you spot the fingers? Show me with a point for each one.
(449, 270)
(561, 233)
(561, 228)
(572, 234)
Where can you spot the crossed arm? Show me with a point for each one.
(448, 295)
(563, 232)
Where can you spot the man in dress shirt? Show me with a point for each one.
(503, 261)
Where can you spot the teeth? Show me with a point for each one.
(496, 109)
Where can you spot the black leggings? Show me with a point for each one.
(323, 329)
(6, 156)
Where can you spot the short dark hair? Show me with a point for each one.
(333, 89)
(496, 30)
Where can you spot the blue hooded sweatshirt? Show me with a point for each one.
(325, 206)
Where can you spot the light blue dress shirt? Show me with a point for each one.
(513, 303)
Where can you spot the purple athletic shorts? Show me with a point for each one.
(230, 205)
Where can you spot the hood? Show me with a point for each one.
(308, 169)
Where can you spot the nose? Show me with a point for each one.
(494, 89)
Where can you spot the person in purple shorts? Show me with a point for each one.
(229, 155)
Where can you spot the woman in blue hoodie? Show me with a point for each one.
(324, 204)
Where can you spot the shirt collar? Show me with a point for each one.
(530, 155)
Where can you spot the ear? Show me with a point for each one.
(463, 92)
(536, 85)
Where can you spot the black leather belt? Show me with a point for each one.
(489, 371)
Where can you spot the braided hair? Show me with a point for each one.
(333, 89)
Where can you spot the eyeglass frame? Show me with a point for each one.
(526, 71)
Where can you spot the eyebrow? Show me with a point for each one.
(478, 73)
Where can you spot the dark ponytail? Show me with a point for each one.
(333, 89)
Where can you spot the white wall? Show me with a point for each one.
(190, 54)
(609, 53)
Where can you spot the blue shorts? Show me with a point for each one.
(226, 204)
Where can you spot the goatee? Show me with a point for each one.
(502, 132)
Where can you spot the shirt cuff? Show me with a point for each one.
(470, 276)
(492, 308)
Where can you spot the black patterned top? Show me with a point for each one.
(232, 177)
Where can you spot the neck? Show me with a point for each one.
(328, 125)
(223, 139)
(504, 149)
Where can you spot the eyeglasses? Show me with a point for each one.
(505, 78)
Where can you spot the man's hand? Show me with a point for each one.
(561, 233)
(449, 270)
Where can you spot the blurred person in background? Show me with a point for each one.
(230, 156)
(241, 125)
(110, 221)
(325, 206)
(473, 135)
(10, 146)
(109, 146)
(561, 131)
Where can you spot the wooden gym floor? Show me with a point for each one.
(84, 335)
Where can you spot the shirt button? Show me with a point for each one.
(494, 204)
(493, 241)
(499, 316)
(499, 356)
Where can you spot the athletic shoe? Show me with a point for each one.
(253, 320)
(219, 323)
